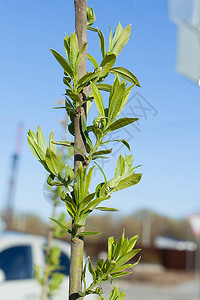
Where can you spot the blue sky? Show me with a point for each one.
(166, 142)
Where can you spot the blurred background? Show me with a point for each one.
(164, 53)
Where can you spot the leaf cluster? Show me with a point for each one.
(52, 272)
(70, 65)
(74, 189)
(124, 177)
(85, 202)
(115, 294)
(51, 161)
(50, 278)
(120, 252)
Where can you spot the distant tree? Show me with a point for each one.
(30, 223)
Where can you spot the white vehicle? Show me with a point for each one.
(19, 253)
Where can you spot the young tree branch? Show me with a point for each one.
(77, 244)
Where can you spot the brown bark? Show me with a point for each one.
(81, 32)
(77, 244)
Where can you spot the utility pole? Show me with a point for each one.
(12, 183)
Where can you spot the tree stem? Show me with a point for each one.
(77, 244)
(47, 267)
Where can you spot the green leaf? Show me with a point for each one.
(124, 267)
(50, 181)
(85, 133)
(116, 35)
(125, 74)
(51, 145)
(98, 99)
(41, 140)
(128, 181)
(102, 152)
(114, 86)
(132, 242)
(90, 16)
(89, 178)
(98, 157)
(120, 123)
(87, 78)
(87, 233)
(100, 263)
(111, 242)
(128, 162)
(126, 257)
(61, 225)
(38, 272)
(67, 45)
(68, 144)
(104, 176)
(118, 247)
(86, 200)
(110, 40)
(66, 81)
(106, 208)
(33, 135)
(69, 173)
(84, 272)
(76, 192)
(63, 62)
(94, 203)
(80, 53)
(80, 181)
(120, 167)
(102, 42)
(116, 294)
(125, 99)
(120, 140)
(120, 40)
(51, 161)
(37, 152)
(111, 266)
(71, 209)
(107, 63)
(54, 283)
(74, 50)
(88, 107)
(108, 187)
(93, 60)
(122, 296)
(91, 28)
(70, 108)
(83, 217)
(104, 87)
(91, 269)
(120, 274)
(74, 96)
(71, 128)
(115, 103)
